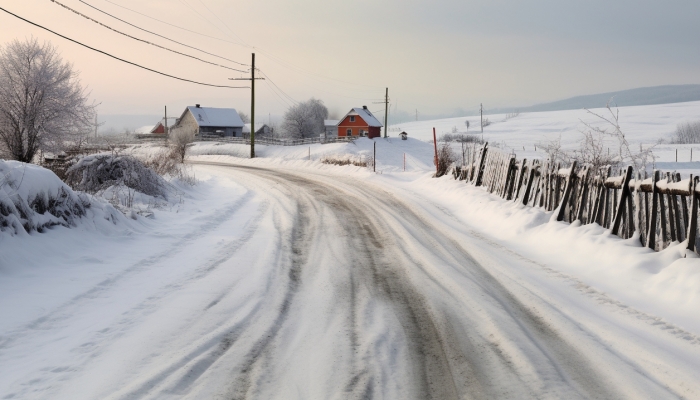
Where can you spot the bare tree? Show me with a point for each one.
(627, 154)
(592, 151)
(305, 119)
(42, 103)
(554, 150)
(687, 133)
(179, 141)
(244, 117)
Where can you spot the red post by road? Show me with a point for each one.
(436, 156)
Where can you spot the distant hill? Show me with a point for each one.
(632, 97)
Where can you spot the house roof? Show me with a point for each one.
(216, 117)
(331, 122)
(258, 127)
(366, 116)
(144, 129)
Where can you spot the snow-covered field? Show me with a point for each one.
(282, 277)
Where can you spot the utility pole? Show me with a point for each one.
(252, 103)
(165, 124)
(416, 114)
(96, 125)
(386, 112)
(481, 112)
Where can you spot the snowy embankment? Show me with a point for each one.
(34, 199)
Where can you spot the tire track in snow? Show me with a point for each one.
(433, 379)
(205, 354)
(62, 312)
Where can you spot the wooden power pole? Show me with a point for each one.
(252, 104)
(481, 113)
(386, 112)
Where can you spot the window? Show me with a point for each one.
(352, 118)
(348, 132)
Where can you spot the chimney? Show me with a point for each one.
(364, 107)
(197, 105)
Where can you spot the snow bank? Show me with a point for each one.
(33, 198)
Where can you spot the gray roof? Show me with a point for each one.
(331, 122)
(216, 117)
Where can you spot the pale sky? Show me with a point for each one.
(434, 56)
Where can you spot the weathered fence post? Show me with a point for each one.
(651, 235)
(480, 169)
(693, 218)
(567, 191)
(584, 195)
(519, 184)
(621, 201)
(526, 196)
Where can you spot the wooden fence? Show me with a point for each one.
(274, 142)
(660, 209)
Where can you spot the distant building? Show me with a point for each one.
(209, 121)
(261, 130)
(158, 129)
(403, 135)
(331, 127)
(359, 122)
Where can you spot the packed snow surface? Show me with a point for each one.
(283, 277)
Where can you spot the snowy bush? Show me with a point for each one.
(446, 157)
(97, 173)
(687, 133)
(33, 198)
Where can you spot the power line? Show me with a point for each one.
(159, 35)
(121, 59)
(272, 57)
(222, 22)
(319, 77)
(141, 40)
(175, 26)
(273, 82)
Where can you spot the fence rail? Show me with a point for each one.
(275, 142)
(660, 210)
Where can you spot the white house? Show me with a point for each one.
(210, 121)
(331, 127)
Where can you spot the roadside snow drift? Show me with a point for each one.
(33, 198)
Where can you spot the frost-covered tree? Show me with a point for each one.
(305, 119)
(43, 106)
(244, 117)
(180, 139)
(687, 133)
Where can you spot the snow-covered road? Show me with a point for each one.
(302, 284)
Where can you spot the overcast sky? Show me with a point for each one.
(434, 56)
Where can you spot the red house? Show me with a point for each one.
(159, 128)
(359, 122)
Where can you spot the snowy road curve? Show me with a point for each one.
(331, 288)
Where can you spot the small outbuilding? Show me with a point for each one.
(261, 130)
(331, 126)
(359, 122)
(403, 135)
(210, 121)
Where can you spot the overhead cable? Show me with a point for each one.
(175, 26)
(278, 88)
(141, 40)
(121, 59)
(161, 36)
